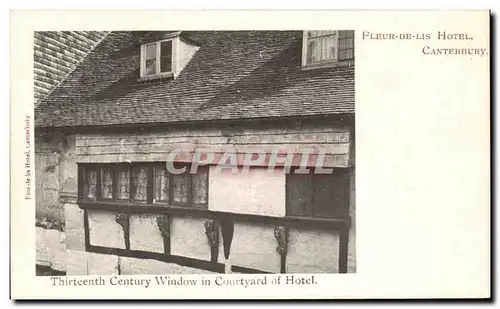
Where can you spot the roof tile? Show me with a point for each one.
(235, 74)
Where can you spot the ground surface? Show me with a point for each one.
(47, 271)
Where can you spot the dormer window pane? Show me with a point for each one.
(311, 55)
(346, 45)
(166, 56)
(328, 46)
(151, 59)
(321, 46)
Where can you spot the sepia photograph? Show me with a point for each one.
(194, 152)
(250, 154)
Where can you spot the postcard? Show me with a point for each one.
(250, 154)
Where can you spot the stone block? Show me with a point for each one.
(312, 251)
(42, 252)
(75, 232)
(73, 216)
(102, 264)
(145, 234)
(188, 238)
(77, 263)
(104, 231)
(254, 246)
(54, 241)
(75, 239)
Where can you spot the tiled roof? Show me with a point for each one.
(234, 75)
(56, 54)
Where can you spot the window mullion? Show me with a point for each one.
(143, 60)
(155, 184)
(173, 59)
(207, 179)
(170, 188)
(190, 188)
(114, 184)
(81, 179)
(312, 196)
(305, 42)
(346, 194)
(131, 182)
(158, 57)
(98, 183)
(337, 38)
(150, 189)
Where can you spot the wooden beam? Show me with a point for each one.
(164, 222)
(175, 259)
(335, 224)
(86, 229)
(343, 250)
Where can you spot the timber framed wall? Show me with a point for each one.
(249, 241)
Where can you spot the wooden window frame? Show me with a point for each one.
(175, 46)
(132, 171)
(119, 167)
(82, 193)
(329, 62)
(151, 182)
(113, 176)
(346, 173)
(189, 198)
(169, 189)
(199, 205)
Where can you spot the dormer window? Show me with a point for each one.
(327, 47)
(166, 57)
(157, 58)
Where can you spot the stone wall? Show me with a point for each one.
(51, 248)
(55, 179)
(55, 173)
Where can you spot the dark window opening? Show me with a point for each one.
(318, 195)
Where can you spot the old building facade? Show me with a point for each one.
(143, 101)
